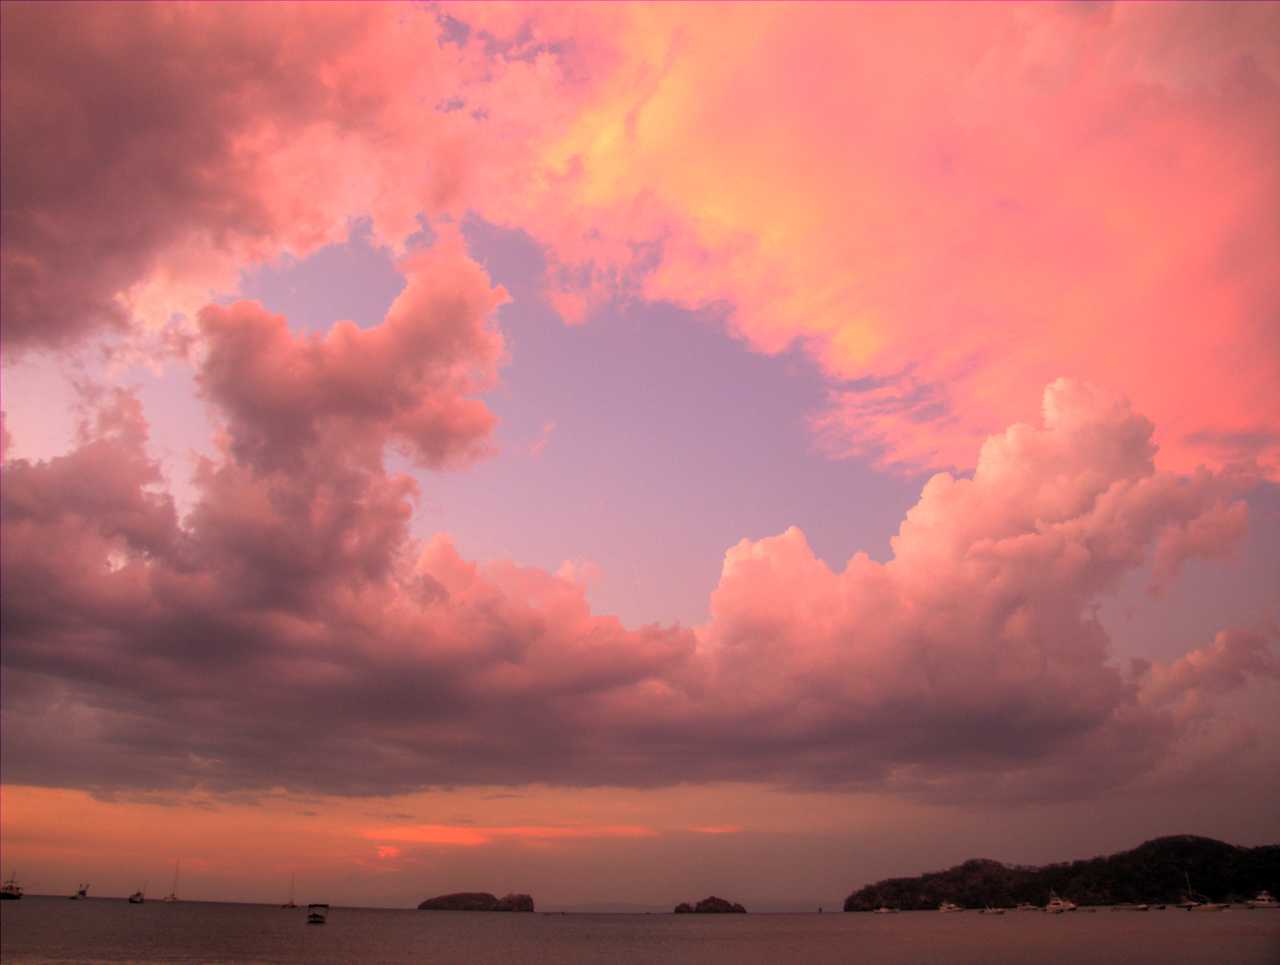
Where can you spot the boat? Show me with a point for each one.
(990, 911)
(1130, 907)
(1026, 906)
(11, 890)
(1057, 906)
(317, 913)
(948, 907)
(1194, 901)
(1262, 900)
(81, 892)
(290, 903)
(137, 897)
(885, 910)
(173, 892)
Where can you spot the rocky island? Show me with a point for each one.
(1156, 871)
(477, 901)
(710, 906)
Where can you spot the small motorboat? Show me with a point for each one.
(1130, 907)
(81, 893)
(885, 910)
(317, 914)
(991, 911)
(1026, 906)
(137, 898)
(948, 908)
(1263, 899)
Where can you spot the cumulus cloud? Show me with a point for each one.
(800, 167)
(154, 152)
(946, 208)
(405, 380)
(289, 632)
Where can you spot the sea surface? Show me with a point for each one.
(38, 929)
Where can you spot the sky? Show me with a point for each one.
(764, 448)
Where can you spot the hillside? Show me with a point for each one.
(1153, 871)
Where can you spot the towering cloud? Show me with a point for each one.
(147, 652)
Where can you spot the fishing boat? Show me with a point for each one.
(81, 893)
(1057, 906)
(173, 892)
(11, 890)
(317, 914)
(1262, 900)
(948, 908)
(290, 903)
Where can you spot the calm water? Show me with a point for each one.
(108, 930)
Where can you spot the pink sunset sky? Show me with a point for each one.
(627, 452)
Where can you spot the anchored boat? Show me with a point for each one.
(1058, 905)
(173, 892)
(317, 914)
(11, 890)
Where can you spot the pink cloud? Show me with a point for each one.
(145, 651)
(155, 153)
(947, 208)
(406, 380)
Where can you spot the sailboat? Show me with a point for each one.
(173, 892)
(11, 891)
(1058, 905)
(290, 903)
(1198, 902)
(81, 892)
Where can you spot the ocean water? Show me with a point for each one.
(44, 930)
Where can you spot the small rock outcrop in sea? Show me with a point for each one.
(710, 906)
(477, 901)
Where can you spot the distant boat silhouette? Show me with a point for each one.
(139, 896)
(317, 913)
(1058, 905)
(11, 891)
(173, 892)
(290, 903)
(81, 892)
